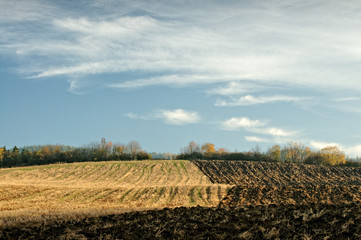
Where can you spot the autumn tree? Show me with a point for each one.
(208, 148)
(275, 153)
(222, 150)
(333, 155)
(119, 149)
(295, 152)
(2, 153)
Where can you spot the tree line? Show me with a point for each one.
(48, 154)
(292, 152)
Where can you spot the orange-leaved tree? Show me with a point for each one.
(2, 152)
(208, 148)
(333, 155)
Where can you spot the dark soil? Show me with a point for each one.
(312, 221)
(277, 174)
(294, 195)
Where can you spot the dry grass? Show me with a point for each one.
(103, 187)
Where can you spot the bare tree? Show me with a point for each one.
(133, 148)
(191, 148)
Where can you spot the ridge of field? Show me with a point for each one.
(108, 174)
(94, 186)
(277, 174)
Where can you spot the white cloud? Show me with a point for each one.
(319, 145)
(172, 117)
(276, 132)
(353, 151)
(179, 116)
(242, 122)
(256, 139)
(251, 100)
(255, 126)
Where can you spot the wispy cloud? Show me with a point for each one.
(237, 88)
(252, 100)
(171, 117)
(255, 126)
(347, 99)
(256, 139)
(260, 42)
(132, 115)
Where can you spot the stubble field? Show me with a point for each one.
(203, 199)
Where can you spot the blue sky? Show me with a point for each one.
(234, 73)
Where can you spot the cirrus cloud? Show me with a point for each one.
(251, 100)
(260, 42)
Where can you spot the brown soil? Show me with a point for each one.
(291, 195)
(277, 174)
(261, 222)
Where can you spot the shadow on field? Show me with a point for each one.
(312, 221)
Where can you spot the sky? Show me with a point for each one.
(238, 74)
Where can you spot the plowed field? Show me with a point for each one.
(261, 222)
(277, 174)
(291, 195)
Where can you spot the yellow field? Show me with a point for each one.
(108, 174)
(104, 186)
